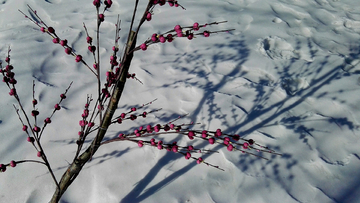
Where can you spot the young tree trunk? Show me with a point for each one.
(74, 169)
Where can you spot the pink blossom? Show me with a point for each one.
(119, 120)
(91, 124)
(39, 154)
(95, 66)
(230, 147)
(24, 128)
(140, 143)
(211, 140)
(199, 160)
(190, 147)
(42, 29)
(121, 135)
(62, 96)
(236, 137)
(251, 141)
(122, 115)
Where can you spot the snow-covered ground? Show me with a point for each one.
(287, 77)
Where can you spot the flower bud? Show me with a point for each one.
(51, 30)
(78, 58)
(63, 42)
(143, 47)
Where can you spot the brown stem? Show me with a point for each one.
(74, 169)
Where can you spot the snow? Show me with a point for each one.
(287, 77)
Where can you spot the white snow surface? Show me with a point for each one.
(287, 77)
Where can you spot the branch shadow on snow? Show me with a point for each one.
(270, 113)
